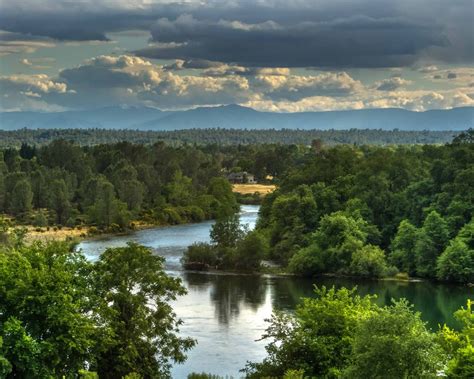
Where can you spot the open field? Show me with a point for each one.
(246, 189)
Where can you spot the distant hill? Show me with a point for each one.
(103, 118)
(238, 117)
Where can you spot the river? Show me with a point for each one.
(226, 313)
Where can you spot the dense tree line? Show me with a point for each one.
(89, 137)
(369, 211)
(110, 185)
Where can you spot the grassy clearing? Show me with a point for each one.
(246, 189)
(42, 234)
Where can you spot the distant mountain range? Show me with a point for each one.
(238, 117)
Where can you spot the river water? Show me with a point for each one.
(226, 313)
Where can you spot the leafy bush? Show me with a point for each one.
(369, 262)
(200, 253)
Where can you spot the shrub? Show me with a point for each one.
(200, 253)
(369, 261)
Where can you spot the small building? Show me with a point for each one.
(241, 178)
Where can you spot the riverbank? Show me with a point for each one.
(79, 233)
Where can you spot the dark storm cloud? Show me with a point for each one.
(358, 41)
(270, 33)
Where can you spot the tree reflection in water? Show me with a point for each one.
(436, 302)
(229, 293)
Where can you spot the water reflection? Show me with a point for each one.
(436, 302)
(229, 293)
(227, 313)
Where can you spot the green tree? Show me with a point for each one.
(403, 247)
(317, 339)
(47, 306)
(333, 244)
(250, 251)
(293, 216)
(394, 343)
(456, 263)
(2, 191)
(107, 209)
(459, 345)
(21, 197)
(137, 292)
(227, 232)
(202, 253)
(221, 190)
(431, 241)
(369, 261)
(179, 191)
(5, 366)
(132, 193)
(59, 199)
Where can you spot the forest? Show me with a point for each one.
(110, 186)
(348, 210)
(362, 211)
(366, 211)
(371, 211)
(220, 137)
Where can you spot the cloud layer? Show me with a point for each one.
(264, 33)
(116, 80)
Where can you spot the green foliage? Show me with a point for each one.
(369, 262)
(410, 201)
(60, 201)
(21, 197)
(403, 247)
(40, 219)
(201, 253)
(456, 263)
(292, 217)
(317, 339)
(459, 345)
(227, 232)
(107, 209)
(394, 343)
(136, 290)
(226, 137)
(462, 365)
(47, 288)
(225, 204)
(339, 246)
(431, 241)
(62, 316)
(233, 249)
(113, 184)
(250, 251)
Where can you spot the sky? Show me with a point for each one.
(271, 55)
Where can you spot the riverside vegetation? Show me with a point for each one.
(368, 211)
(62, 316)
(365, 211)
